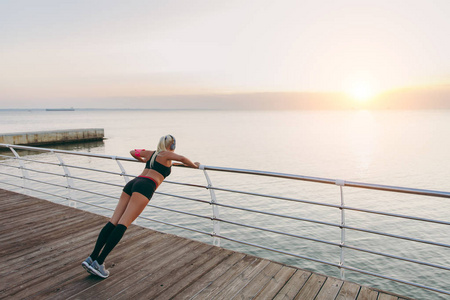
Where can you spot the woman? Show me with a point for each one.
(135, 197)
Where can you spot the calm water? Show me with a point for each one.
(401, 148)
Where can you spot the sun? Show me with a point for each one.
(362, 92)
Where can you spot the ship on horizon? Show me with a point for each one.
(60, 109)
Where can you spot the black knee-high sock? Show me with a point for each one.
(102, 238)
(112, 241)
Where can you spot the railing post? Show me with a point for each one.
(125, 177)
(25, 174)
(341, 183)
(215, 209)
(70, 183)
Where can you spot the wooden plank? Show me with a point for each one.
(330, 289)
(2, 191)
(153, 274)
(132, 271)
(367, 293)
(225, 278)
(37, 210)
(175, 280)
(122, 264)
(32, 237)
(31, 250)
(238, 283)
(22, 275)
(276, 283)
(311, 287)
(14, 219)
(384, 296)
(349, 291)
(259, 282)
(53, 255)
(197, 271)
(11, 198)
(69, 230)
(71, 233)
(34, 259)
(56, 274)
(293, 286)
(16, 203)
(11, 202)
(15, 216)
(56, 220)
(207, 279)
(49, 232)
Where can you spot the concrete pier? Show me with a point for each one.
(53, 137)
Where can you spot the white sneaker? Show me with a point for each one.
(98, 269)
(86, 264)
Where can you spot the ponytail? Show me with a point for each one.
(164, 143)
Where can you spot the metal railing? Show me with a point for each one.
(24, 165)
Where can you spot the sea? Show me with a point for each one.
(403, 148)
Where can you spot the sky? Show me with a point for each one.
(82, 53)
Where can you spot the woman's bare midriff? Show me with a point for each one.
(154, 175)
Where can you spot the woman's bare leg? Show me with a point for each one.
(120, 208)
(106, 231)
(136, 205)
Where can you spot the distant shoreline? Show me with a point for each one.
(219, 109)
(115, 109)
(60, 109)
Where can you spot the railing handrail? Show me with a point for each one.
(422, 192)
(389, 188)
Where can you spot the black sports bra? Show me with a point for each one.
(160, 168)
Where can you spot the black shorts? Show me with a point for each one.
(142, 185)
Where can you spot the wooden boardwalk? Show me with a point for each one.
(42, 245)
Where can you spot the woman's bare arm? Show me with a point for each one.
(141, 154)
(186, 161)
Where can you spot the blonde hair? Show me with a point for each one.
(163, 145)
